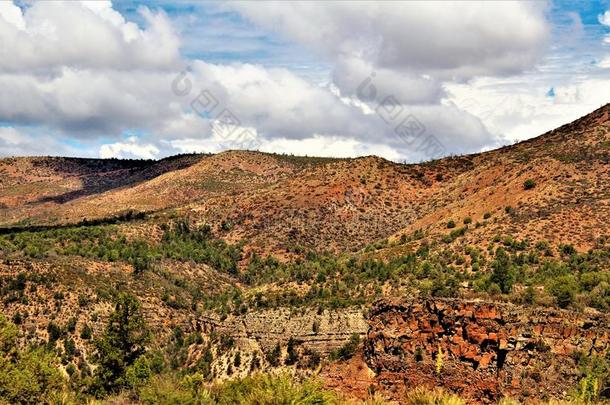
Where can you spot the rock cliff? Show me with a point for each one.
(319, 331)
(481, 350)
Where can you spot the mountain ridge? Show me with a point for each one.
(361, 199)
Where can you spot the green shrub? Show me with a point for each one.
(502, 271)
(273, 357)
(54, 331)
(493, 289)
(26, 376)
(138, 373)
(69, 347)
(567, 249)
(292, 356)
(258, 389)
(529, 184)
(71, 325)
(346, 351)
(86, 333)
(17, 318)
(451, 224)
(563, 289)
(271, 389)
(167, 390)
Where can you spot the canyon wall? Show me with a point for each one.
(480, 350)
(321, 331)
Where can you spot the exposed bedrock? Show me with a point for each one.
(487, 350)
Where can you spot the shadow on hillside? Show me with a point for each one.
(101, 175)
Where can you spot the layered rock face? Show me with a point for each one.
(484, 351)
(321, 332)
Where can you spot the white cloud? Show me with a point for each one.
(11, 14)
(407, 87)
(605, 63)
(605, 18)
(438, 38)
(90, 35)
(18, 142)
(329, 146)
(117, 77)
(411, 51)
(222, 137)
(10, 136)
(277, 102)
(130, 149)
(280, 105)
(88, 102)
(521, 109)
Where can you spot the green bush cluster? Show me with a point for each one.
(346, 351)
(529, 184)
(258, 389)
(104, 242)
(29, 376)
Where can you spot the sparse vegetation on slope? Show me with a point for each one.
(201, 242)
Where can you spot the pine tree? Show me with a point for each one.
(123, 342)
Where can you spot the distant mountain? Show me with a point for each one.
(280, 204)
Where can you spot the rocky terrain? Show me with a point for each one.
(340, 268)
(484, 351)
(279, 202)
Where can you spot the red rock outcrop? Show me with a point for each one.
(488, 350)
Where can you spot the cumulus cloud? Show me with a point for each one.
(522, 109)
(351, 74)
(222, 137)
(409, 52)
(444, 39)
(82, 69)
(281, 105)
(89, 35)
(10, 136)
(330, 146)
(88, 102)
(277, 102)
(18, 142)
(605, 18)
(130, 149)
(11, 14)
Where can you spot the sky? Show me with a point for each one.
(407, 81)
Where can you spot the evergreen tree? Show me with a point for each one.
(503, 274)
(123, 342)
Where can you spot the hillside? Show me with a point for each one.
(279, 203)
(247, 261)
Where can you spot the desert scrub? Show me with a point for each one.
(257, 389)
(27, 376)
(529, 184)
(346, 351)
(180, 242)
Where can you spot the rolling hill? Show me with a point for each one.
(354, 270)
